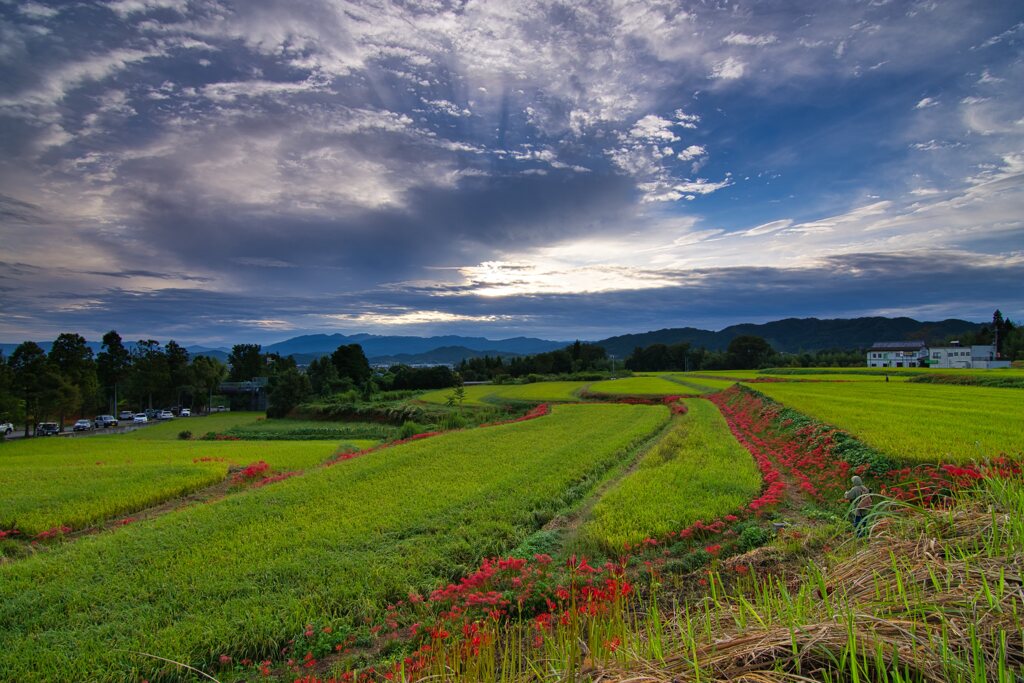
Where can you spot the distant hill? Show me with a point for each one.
(445, 355)
(790, 335)
(793, 335)
(381, 347)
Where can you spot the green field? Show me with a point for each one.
(698, 384)
(914, 422)
(638, 386)
(46, 483)
(698, 471)
(243, 574)
(215, 422)
(490, 394)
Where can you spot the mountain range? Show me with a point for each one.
(791, 335)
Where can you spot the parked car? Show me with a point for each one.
(218, 409)
(47, 429)
(81, 426)
(6, 428)
(104, 421)
(126, 415)
(151, 413)
(140, 419)
(185, 412)
(165, 415)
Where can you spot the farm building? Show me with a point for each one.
(916, 354)
(956, 356)
(904, 354)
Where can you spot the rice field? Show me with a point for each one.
(48, 483)
(240, 576)
(491, 394)
(914, 422)
(698, 471)
(638, 386)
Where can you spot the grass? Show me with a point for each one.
(243, 574)
(215, 422)
(490, 394)
(699, 384)
(47, 483)
(698, 471)
(914, 422)
(638, 386)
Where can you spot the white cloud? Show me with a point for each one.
(404, 317)
(768, 228)
(745, 39)
(728, 69)
(692, 152)
(449, 108)
(653, 128)
(926, 102)
(38, 11)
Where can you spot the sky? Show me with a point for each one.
(218, 172)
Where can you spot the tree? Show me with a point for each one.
(747, 352)
(287, 390)
(29, 374)
(113, 363)
(150, 374)
(323, 376)
(206, 375)
(351, 363)
(178, 371)
(10, 405)
(246, 362)
(72, 359)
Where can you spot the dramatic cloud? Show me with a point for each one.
(226, 171)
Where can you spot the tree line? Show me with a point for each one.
(36, 386)
(578, 357)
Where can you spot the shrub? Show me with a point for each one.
(410, 428)
(185, 435)
(754, 537)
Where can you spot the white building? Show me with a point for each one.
(910, 354)
(916, 354)
(965, 357)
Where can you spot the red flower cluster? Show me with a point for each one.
(4, 533)
(55, 531)
(804, 456)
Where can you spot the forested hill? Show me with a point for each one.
(800, 334)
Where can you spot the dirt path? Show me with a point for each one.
(568, 524)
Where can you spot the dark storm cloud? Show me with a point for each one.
(252, 168)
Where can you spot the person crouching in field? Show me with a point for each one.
(860, 499)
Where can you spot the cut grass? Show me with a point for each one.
(914, 422)
(698, 471)
(243, 574)
(46, 483)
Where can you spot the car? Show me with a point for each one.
(6, 428)
(185, 412)
(164, 415)
(82, 426)
(151, 413)
(140, 419)
(104, 421)
(47, 429)
(219, 409)
(126, 415)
